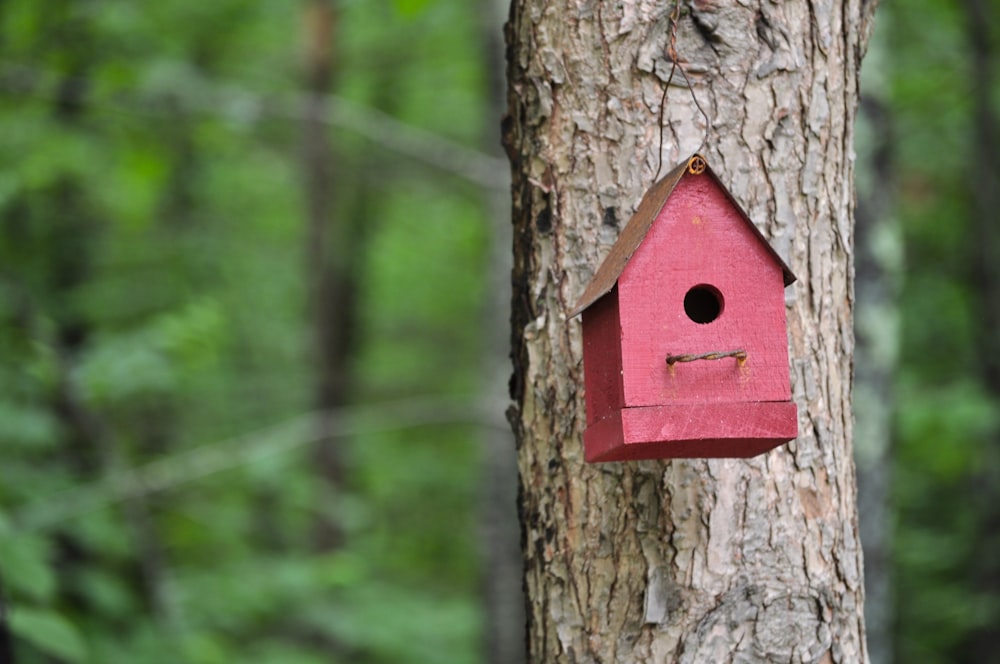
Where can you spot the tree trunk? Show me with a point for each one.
(878, 276)
(6, 643)
(503, 597)
(984, 193)
(879, 250)
(690, 560)
(330, 256)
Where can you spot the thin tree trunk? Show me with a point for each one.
(503, 596)
(984, 193)
(687, 561)
(6, 643)
(89, 436)
(879, 264)
(329, 249)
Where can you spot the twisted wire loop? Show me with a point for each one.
(740, 355)
(697, 165)
(675, 65)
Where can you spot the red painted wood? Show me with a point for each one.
(638, 407)
(709, 430)
(700, 238)
(602, 358)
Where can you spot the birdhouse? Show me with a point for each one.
(685, 350)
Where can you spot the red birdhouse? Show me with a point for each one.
(685, 352)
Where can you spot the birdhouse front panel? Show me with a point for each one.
(702, 282)
(685, 344)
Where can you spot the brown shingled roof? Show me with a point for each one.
(635, 232)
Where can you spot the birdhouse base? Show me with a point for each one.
(715, 430)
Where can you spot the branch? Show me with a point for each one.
(478, 167)
(232, 453)
(241, 106)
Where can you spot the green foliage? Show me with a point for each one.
(153, 304)
(948, 426)
(26, 563)
(49, 633)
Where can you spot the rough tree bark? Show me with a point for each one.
(689, 561)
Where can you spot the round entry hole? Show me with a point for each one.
(703, 303)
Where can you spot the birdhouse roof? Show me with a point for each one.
(635, 231)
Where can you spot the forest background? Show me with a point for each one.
(253, 305)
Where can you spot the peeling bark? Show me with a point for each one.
(685, 561)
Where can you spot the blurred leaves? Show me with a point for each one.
(944, 429)
(156, 387)
(50, 633)
(26, 564)
(947, 451)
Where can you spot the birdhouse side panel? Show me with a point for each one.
(702, 282)
(602, 358)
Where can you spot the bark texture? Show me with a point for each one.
(689, 561)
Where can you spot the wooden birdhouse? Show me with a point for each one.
(685, 349)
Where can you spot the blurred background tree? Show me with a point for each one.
(187, 477)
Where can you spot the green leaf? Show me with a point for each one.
(24, 561)
(194, 333)
(27, 427)
(410, 8)
(124, 367)
(109, 593)
(50, 633)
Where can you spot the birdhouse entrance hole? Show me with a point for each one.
(703, 304)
